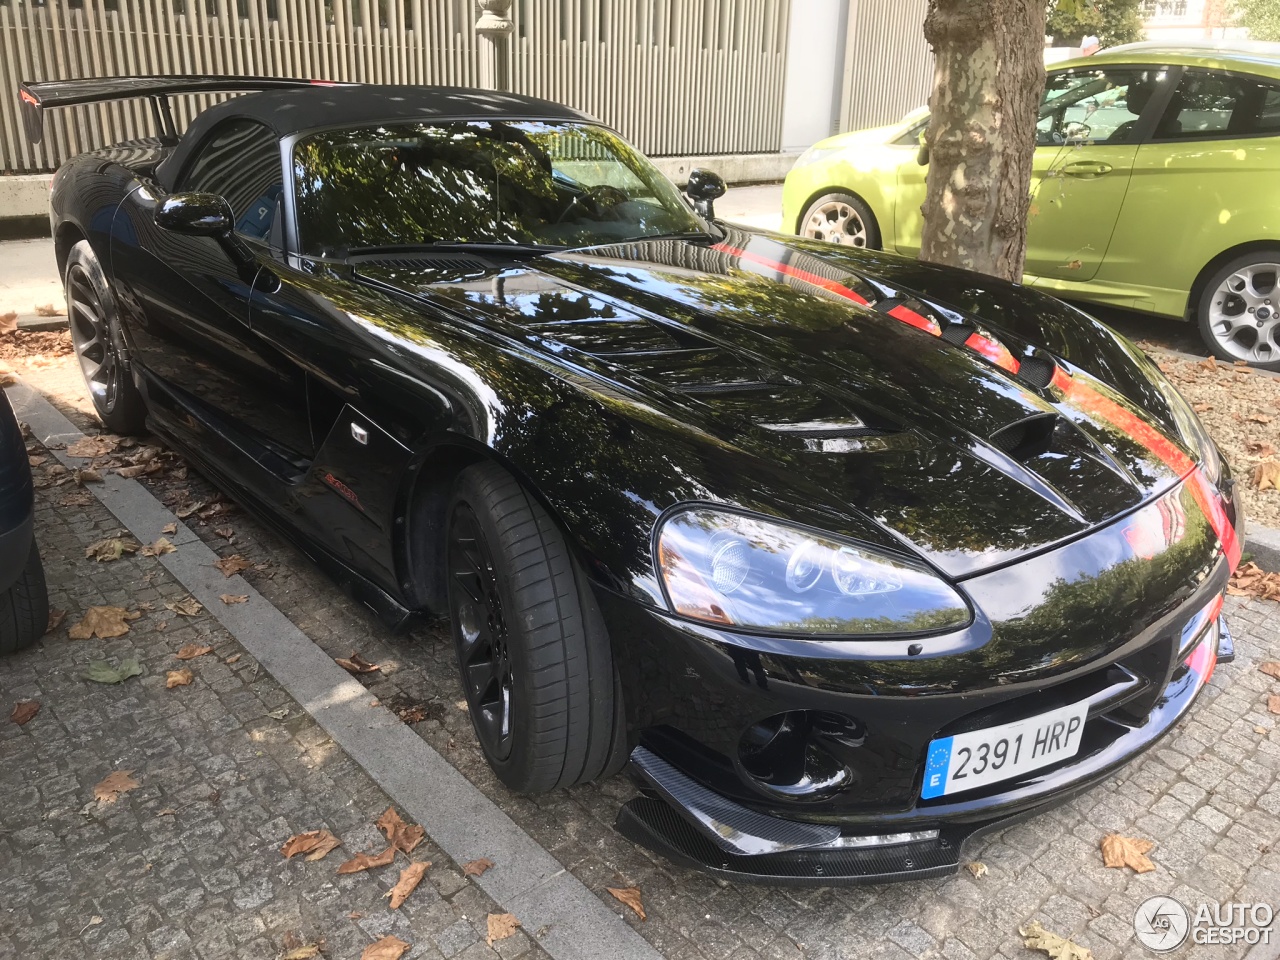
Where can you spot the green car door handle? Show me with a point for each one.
(1086, 169)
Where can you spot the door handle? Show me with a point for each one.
(1086, 169)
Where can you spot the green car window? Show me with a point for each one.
(528, 182)
(1212, 105)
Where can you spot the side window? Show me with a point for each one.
(1095, 105)
(240, 161)
(1210, 105)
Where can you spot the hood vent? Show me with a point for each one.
(1027, 438)
(1037, 371)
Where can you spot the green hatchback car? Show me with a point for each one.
(1156, 187)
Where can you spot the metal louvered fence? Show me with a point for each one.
(677, 77)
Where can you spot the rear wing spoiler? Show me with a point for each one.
(37, 97)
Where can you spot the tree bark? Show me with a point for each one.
(988, 80)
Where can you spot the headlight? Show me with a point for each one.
(813, 155)
(743, 571)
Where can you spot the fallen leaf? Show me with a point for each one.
(1260, 448)
(278, 714)
(1267, 475)
(188, 510)
(1271, 669)
(178, 678)
(1208, 363)
(1273, 703)
(55, 619)
(305, 952)
(81, 477)
(99, 671)
(192, 650)
(476, 868)
(24, 710)
(977, 868)
(167, 812)
(90, 447)
(356, 664)
(138, 470)
(1036, 937)
(103, 622)
(366, 861)
(47, 310)
(388, 948)
(410, 877)
(501, 926)
(411, 715)
(8, 324)
(229, 598)
(114, 784)
(1258, 418)
(1260, 729)
(189, 607)
(1119, 851)
(226, 533)
(113, 548)
(316, 843)
(232, 565)
(629, 896)
(232, 659)
(158, 549)
(169, 528)
(35, 461)
(402, 836)
(1250, 580)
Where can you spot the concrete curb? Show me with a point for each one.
(1263, 543)
(461, 820)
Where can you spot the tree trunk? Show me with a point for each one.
(987, 85)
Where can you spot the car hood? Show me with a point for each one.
(842, 386)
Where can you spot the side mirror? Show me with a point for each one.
(196, 215)
(704, 188)
(922, 155)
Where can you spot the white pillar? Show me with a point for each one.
(494, 29)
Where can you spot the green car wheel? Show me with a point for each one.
(1239, 310)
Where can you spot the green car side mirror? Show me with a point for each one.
(922, 155)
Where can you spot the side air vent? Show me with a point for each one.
(1037, 371)
(958, 333)
(1027, 438)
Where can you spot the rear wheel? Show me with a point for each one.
(24, 607)
(1239, 310)
(99, 345)
(841, 218)
(533, 655)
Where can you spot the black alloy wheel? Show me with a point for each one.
(94, 345)
(480, 634)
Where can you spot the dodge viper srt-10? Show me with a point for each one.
(849, 558)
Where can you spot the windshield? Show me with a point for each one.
(479, 181)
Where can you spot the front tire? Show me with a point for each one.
(24, 607)
(533, 654)
(841, 218)
(1239, 309)
(99, 344)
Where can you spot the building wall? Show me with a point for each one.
(888, 68)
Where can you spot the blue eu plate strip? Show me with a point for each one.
(935, 768)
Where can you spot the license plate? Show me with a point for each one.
(980, 757)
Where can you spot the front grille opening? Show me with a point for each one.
(1027, 438)
(1037, 371)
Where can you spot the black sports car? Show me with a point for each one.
(850, 556)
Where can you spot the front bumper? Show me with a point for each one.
(692, 825)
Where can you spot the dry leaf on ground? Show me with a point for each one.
(99, 671)
(81, 477)
(631, 897)
(1118, 851)
(9, 322)
(114, 784)
(501, 926)
(231, 598)
(112, 548)
(1271, 669)
(388, 948)
(226, 533)
(159, 548)
(24, 710)
(977, 868)
(169, 528)
(90, 447)
(410, 877)
(1273, 704)
(103, 622)
(304, 952)
(356, 664)
(402, 836)
(56, 617)
(1250, 580)
(192, 650)
(231, 565)
(189, 607)
(1266, 475)
(48, 310)
(1036, 937)
(317, 844)
(178, 678)
(367, 861)
(476, 868)
(234, 658)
